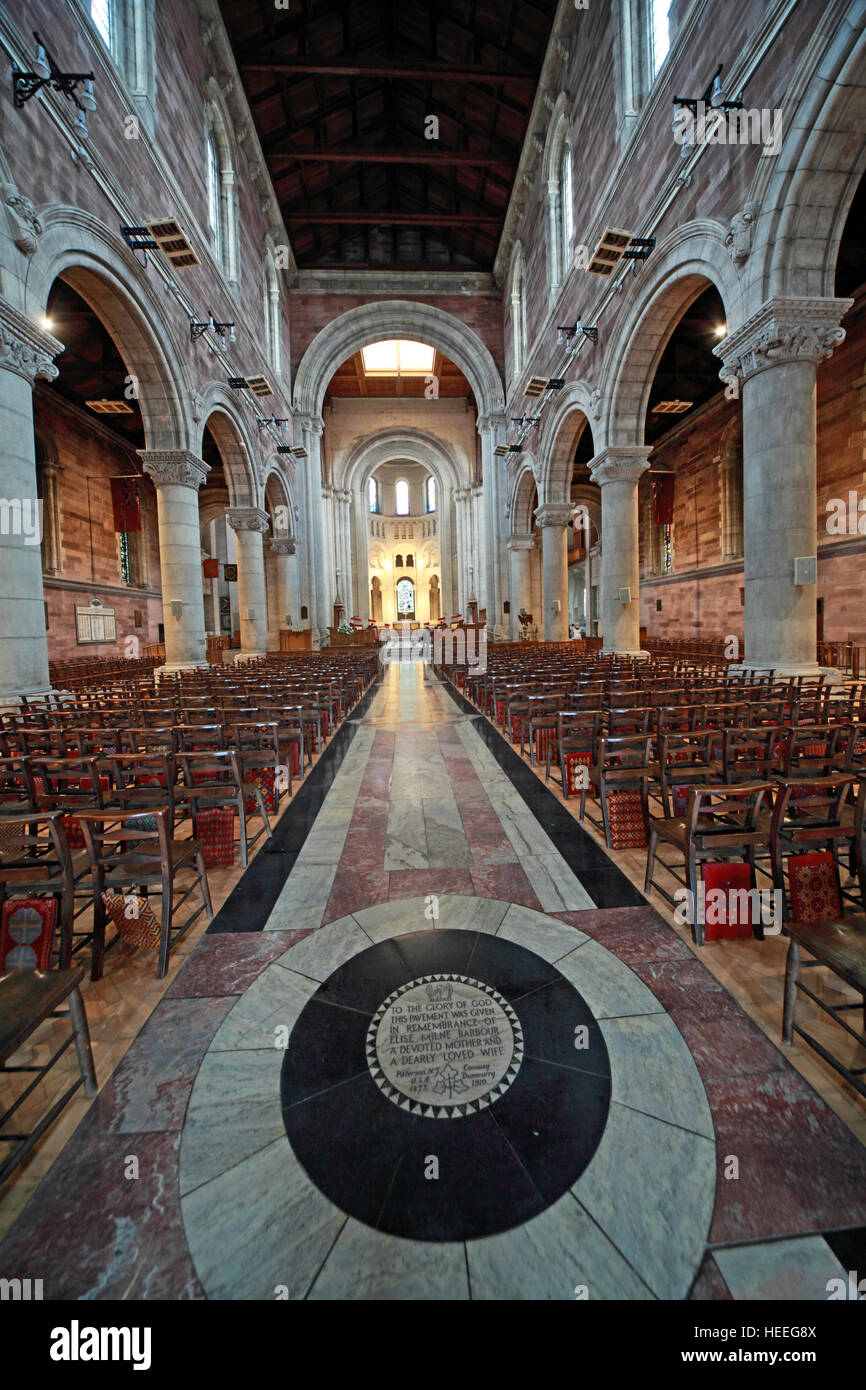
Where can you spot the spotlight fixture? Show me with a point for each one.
(237, 383)
(299, 451)
(46, 73)
(515, 449)
(278, 424)
(713, 96)
(556, 383)
(568, 332)
(670, 407)
(199, 326)
(501, 450)
(285, 449)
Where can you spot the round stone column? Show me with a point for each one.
(772, 362)
(26, 353)
(617, 472)
(553, 519)
(177, 476)
(249, 525)
(281, 552)
(520, 548)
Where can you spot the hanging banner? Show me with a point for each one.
(211, 568)
(125, 504)
(663, 499)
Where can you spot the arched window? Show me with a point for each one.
(566, 206)
(559, 183)
(430, 495)
(660, 36)
(405, 598)
(214, 198)
(373, 495)
(103, 16)
(518, 314)
(398, 561)
(401, 497)
(410, 562)
(127, 28)
(221, 201)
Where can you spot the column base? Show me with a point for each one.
(637, 655)
(785, 670)
(10, 702)
(242, 656)
(172, 668)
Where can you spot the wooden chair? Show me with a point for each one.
(27, 999)
(721, 823)
(126, 857)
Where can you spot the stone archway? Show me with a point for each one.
(452, 491)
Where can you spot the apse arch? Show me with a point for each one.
(692, 258)
(396, 318)
(77, 248)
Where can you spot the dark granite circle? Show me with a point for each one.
(456, 1172)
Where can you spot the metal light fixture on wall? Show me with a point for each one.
(46, 73)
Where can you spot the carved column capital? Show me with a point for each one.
(494, 421)
(313, 424)
(283, 546)
(248, 519)
(25, 349)
(516, 542)
(625, 465)
(553, 514)
(783, 330)
(175, 467)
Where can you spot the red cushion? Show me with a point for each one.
(134, 918)
(215, 829)
(731, 921)
(814, 889)
(573, 763)
(626, 818)
(26, 933)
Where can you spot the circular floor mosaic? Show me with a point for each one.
(455, 1026)
(296, 1167)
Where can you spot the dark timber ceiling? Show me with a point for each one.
(351, 380)
(90, 368)
(340, 94)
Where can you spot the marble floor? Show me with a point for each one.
(436, 1045)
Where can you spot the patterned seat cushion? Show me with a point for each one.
(26, 933)
(814, 887)
(728, 918)
(626, 818)
(214, 828)
(134, 918)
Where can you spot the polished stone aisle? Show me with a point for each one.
(436, 1046)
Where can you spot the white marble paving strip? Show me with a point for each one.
(555, 885)
(305, 893)
(260, 1227)
(555, 1256)
(799, 1269)
(659, 1223)
(367, 1264)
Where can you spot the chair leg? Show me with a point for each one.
(203, 884)
(652, 847)
(81, 1036)
(97, 948)
(692, 882)
(165, 930)
(792, 973)
(242, 819)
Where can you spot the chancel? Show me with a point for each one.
(432, 658)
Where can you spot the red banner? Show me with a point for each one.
(125, 504)
(211, 568)
(663, 499)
